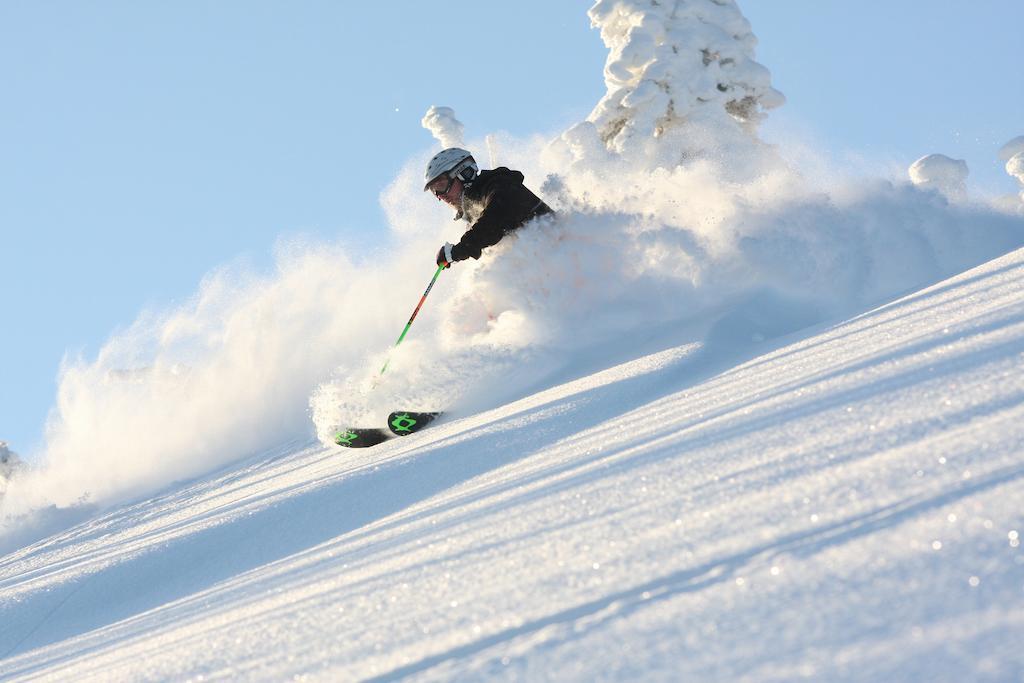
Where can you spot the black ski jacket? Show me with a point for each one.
(496, 203)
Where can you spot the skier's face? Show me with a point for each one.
(448, 190)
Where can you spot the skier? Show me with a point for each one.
(493, 202)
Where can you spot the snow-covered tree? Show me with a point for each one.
(679, 72)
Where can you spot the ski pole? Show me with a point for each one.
(412, 317)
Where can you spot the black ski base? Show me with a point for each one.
(400, 423)
(361, 438)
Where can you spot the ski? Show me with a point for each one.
(400, 423)
(404, 423)
(361, 438)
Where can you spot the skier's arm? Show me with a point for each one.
(488, 229)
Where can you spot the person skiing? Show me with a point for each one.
(494, 202)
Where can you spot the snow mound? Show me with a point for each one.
(443, 125)
(1013, 154)
(939, 172)
(1012, 148)
(1015, 166)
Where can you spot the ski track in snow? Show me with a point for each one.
(842, 503)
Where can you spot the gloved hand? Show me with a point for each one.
(444, 256)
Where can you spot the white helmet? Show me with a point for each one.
(451, 162)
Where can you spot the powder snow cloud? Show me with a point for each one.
(672, 213)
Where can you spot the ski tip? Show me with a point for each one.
(405, 422)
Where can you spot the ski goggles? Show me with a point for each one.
(441, 185)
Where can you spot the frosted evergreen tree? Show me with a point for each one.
(681, 80)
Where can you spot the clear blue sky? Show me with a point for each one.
(143, 144)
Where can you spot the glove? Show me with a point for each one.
(444, 255)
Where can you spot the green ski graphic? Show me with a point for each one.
(408, 422)
(399, 424)
(402, 424)
(345, 438)
(360, 438)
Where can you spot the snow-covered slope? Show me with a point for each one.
(684, 442)
(842, 503)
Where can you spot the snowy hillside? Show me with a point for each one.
(734, 413)
(842, 503)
